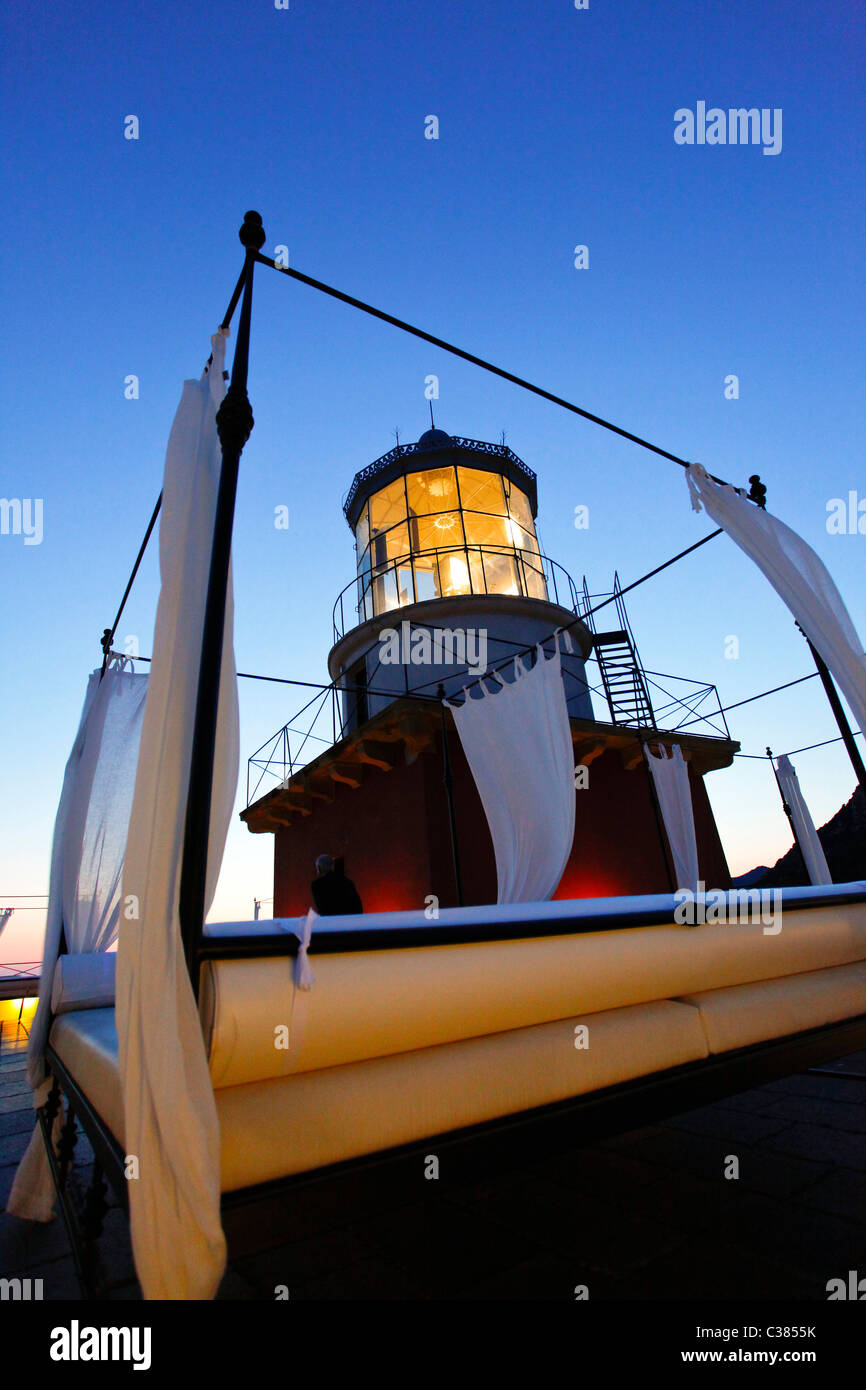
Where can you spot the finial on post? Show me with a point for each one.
(252, 233)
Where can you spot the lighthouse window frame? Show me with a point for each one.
(488, 547)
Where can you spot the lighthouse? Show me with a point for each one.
(445, 543)
(450, 581)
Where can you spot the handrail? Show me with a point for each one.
(550, 571)
(455, 443)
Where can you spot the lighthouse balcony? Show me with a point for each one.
(447, 572)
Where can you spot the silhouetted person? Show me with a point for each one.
(334, 895)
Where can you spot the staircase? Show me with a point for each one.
(621, 672)
(623, 680)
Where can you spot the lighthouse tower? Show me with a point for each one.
(449, 581)
(450, 577)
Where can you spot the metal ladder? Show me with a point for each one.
(621, 672)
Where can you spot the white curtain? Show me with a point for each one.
(671, 781)
(84, 885)
(804, 826)
(799, 577)
(517, 741)
(169, 1109)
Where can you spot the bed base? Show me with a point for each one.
(271, 1214)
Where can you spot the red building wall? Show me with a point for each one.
(393, 834)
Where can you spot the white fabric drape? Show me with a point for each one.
(517, 741)
(169, 1109)
(84, 885)
(804, 826)
(799, 577)
(671, 781)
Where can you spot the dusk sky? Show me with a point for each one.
(556, 129)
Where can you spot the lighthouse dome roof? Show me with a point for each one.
(434, 439)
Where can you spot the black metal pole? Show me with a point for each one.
(839, 713)
(449, 792)
(788, 812)
(234, 425)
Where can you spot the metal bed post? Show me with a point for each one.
(234, 425)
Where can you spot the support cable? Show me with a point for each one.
(476, 361)
(597, 607)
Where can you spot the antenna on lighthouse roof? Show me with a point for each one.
(432, 421)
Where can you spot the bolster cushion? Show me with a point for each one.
(775, 1008)
(368, 1004)
(84, 981)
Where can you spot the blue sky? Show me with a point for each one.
(555, 129)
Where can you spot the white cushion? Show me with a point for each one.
(85, 981)
(775, 1008)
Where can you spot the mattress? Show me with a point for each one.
(277, 1126)
(270, 1129)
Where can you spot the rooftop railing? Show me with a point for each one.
(450, 571)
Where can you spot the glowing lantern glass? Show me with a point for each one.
(446, 531)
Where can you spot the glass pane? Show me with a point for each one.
(520, 539)
(476, 572)
(454, 573)
(432, 491)
(501, 571)
(533, 579)
(436, 532)
(388, 506)
(390, 545)
(404, 585)
(426, 584)
(385, 596)
(362, 530)
(481, 492)
(367, 604)
(519, 508)
(397, 541)
(486, 530)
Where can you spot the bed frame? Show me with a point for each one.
(269, 1214)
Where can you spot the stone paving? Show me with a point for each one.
(646, 1215)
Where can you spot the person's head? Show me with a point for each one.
(324, 864)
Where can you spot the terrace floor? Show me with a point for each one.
(647, 1215)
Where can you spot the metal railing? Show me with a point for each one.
(25, 970)
(688, 705)
(453, 443)
(404, 580)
